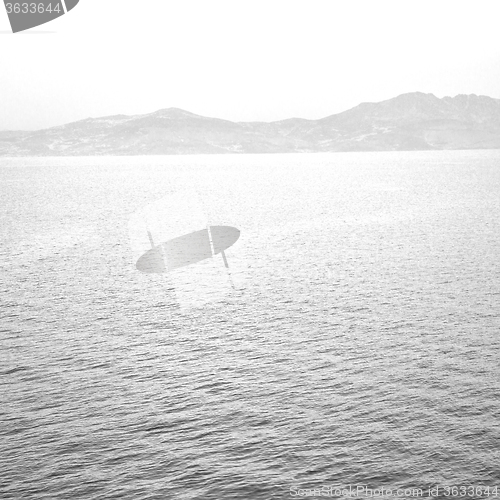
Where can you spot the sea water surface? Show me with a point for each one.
(362, 347)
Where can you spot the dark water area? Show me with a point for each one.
(362, 347)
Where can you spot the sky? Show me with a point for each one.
(243, 60)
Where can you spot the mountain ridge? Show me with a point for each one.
(411, 121)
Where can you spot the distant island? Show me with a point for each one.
(413, 121)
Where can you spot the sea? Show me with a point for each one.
(357, 355)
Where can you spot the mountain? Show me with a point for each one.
(413, 121)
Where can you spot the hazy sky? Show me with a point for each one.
(244, 60)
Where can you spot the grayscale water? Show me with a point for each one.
(363, 347)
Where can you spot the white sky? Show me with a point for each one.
(244, 60)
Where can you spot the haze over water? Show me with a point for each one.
(361, 348)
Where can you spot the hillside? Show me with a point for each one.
(413, 121)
